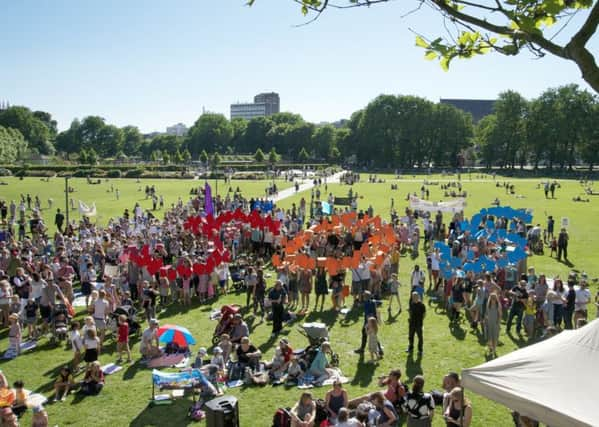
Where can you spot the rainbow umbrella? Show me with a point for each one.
(176, 334)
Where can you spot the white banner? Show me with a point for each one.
(87, 210)
(455, 205)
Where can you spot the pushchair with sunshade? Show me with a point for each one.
(237, 272)
(130, 313)
(60, 323)
(317, 333)
(227, 312)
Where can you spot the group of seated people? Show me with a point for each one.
(384, 408)
(15, 401)
(243, 362)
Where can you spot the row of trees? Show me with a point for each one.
(557, 129)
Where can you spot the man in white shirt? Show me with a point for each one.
(583, 297)
(149, 346)
(100, 312)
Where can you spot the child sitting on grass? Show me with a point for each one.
(93, 382)
(19, 405)
(226, 346)
(40, 417)
(63, 384)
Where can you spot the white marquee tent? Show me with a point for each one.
(555, 381)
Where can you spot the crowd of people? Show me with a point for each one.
(40, 275)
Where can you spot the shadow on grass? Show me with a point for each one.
(413, 366)
(566, 262)
(455, 327)
(132, 370)
(364, 373)
(353, 316)
(519, 340)
(173, 413)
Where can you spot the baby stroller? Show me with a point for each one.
(60, 323)
(237, 271)
(130, 312)
(535, 241)
(317, 333)
(227, 312)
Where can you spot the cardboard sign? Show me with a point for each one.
(111, 270)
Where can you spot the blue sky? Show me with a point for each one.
(153, 63)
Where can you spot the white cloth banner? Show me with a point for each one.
(87, 210)
(455, 205)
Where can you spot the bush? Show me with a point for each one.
(39, 173)
(134, 173)
(115, 173)
(5, 172)
(82, 173)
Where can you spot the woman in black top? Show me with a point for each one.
(259, 293)
(459, 410)
(247, 353)
(321, 287)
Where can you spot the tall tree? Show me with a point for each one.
(273, 156)
(212, 132)
(13, 146)
(33, 129)
(503, 26)
(511, 111)
(259, 156)
(256, 134)
(69, 141)
(323, 141)
(488, 137)
(132, 140)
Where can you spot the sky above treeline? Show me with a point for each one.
(152, 63)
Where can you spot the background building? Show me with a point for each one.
(178, 130)
(479, 108)
(265, 104)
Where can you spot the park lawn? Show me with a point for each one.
(124, 401)
(130, 192)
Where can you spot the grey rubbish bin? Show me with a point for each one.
(222, 412)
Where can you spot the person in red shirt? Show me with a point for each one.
(122, 343)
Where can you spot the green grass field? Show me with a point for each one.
(124, 401)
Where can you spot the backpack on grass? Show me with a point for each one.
(282, 418)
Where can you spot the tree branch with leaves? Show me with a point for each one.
(503, 26)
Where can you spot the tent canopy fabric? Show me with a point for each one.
(554, 381)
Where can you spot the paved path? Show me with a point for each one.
(305, 184)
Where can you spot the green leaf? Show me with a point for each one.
(445, 63)
(304, 9)
(430, 55)
(420, 42)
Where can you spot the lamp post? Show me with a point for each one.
(66, 198)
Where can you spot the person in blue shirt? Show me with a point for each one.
(370, 310)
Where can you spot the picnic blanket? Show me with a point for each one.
(11, 352)
(111, 368)
(167, 361)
